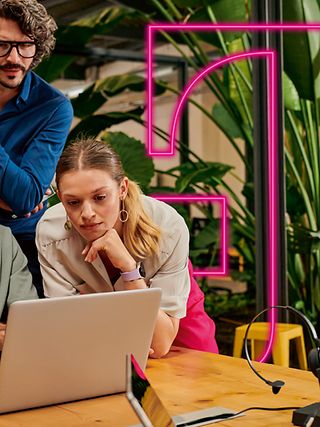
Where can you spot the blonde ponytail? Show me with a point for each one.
(141, 235)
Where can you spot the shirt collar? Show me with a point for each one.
(25, 88)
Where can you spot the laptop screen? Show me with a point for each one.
(150, 409)
(45, 336)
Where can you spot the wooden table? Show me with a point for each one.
(188, 380)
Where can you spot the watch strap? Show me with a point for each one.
(128, 276)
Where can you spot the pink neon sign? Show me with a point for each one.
(272, 140)
(222, 269)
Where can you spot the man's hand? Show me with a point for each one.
(2, 334)
(5, 206)
(39, 206)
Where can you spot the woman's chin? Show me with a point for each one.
(92, 233)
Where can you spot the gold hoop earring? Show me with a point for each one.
(68, 224)
(123, 214)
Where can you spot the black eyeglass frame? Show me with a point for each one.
(16, 45)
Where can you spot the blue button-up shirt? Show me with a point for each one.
(33, 130)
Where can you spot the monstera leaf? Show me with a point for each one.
(137, 166)
(223, 11)
(301, 49)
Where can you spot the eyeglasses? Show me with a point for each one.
(24, 49)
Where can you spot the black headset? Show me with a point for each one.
(313, 356)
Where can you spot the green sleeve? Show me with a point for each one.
(16, 280)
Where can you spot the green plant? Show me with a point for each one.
(233, 115)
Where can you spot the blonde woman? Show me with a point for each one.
(106, 236)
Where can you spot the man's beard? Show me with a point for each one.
(12, 66)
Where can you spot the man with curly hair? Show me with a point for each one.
(34, 122)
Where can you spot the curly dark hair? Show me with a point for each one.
(34, 21)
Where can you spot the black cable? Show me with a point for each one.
(261, 408)
(231, 414)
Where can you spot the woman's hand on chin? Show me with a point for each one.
(113, 247)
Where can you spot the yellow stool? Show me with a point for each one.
(258, 334)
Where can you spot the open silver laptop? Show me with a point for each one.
(152, 412)
(64, 349)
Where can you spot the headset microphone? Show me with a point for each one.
(301, 416)
(276, 386)
(313, 356)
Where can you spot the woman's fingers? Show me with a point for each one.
(2, 334)
(90, 252)
(86, 250)
(113, 247)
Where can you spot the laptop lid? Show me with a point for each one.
(152, 412)
(143, 398)
(64, 349)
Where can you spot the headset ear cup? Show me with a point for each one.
(314, 362)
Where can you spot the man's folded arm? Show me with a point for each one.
(22, 187)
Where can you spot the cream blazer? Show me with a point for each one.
(66, 273)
